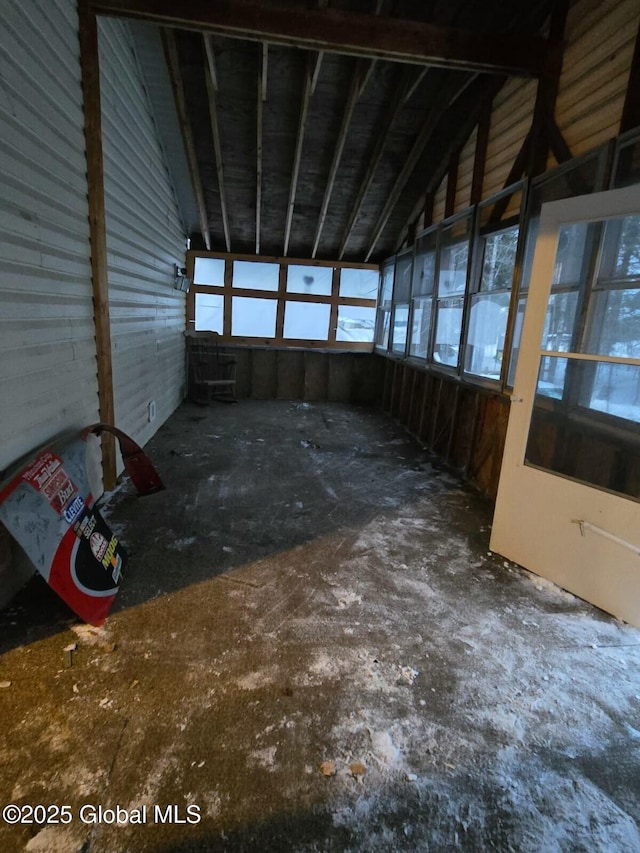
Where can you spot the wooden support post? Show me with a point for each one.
(429, 201)
(227, 306)
(88, 30)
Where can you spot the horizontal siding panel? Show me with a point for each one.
(510, 122)
(48, 379)
(439, 201)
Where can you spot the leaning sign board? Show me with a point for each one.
(47, 505)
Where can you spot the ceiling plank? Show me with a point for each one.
(173, 65)
(393, 109)
(343, 32)
(211, 78)
(354, 93)
(295, 172)
(447, 97)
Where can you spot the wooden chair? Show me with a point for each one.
(212, 373)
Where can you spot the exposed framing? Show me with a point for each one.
(88, 30)
(282, 296)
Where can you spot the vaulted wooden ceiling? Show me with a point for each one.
(315, 129)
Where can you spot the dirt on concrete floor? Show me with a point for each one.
(313, 650)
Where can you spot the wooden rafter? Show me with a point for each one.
(393, 109)
(445, 99)
(354, 92)
(295, 172)
(173, 64)
(262, 97)
(211, 78)
(97, 226)
(343, 32)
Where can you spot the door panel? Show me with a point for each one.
(580, 359)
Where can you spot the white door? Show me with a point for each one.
(579, 360)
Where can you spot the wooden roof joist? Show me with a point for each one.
(343, 32)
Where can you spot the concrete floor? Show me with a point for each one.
(312, 594)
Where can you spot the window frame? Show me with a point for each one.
(281, 297)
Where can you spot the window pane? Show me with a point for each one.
(383, 323)
(621, 250)
(360, 284)
(424, 266)
(420, 326)
(404, 271)
(253, 318)
(615, 389)
(453, 269)
(570, 255)
(499, 260)
(515, 345)
(448, 328)
(307, 320)
(312, 280)
(559, 321)
(551, 376)
(255, 275)
(487, 329)
(209, 271)
(615, 323)
(209, 312)
(387, 284)
(400, 321)
(355, 323)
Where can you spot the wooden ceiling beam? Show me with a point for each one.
(450, 93)
(175, 75)
(343, 32)
(211, 78)
(295, 172)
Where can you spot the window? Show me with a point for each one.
(613, 323)
(253, 318)
(452, 281)
(384, 313)
(285, 303)
(306, 321)
(209, 312)
(424, 272)
(578, 177)
(254, 275)
(401, 299)
(314, 281)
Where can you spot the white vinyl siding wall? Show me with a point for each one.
(145, 238)
(48, 380)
